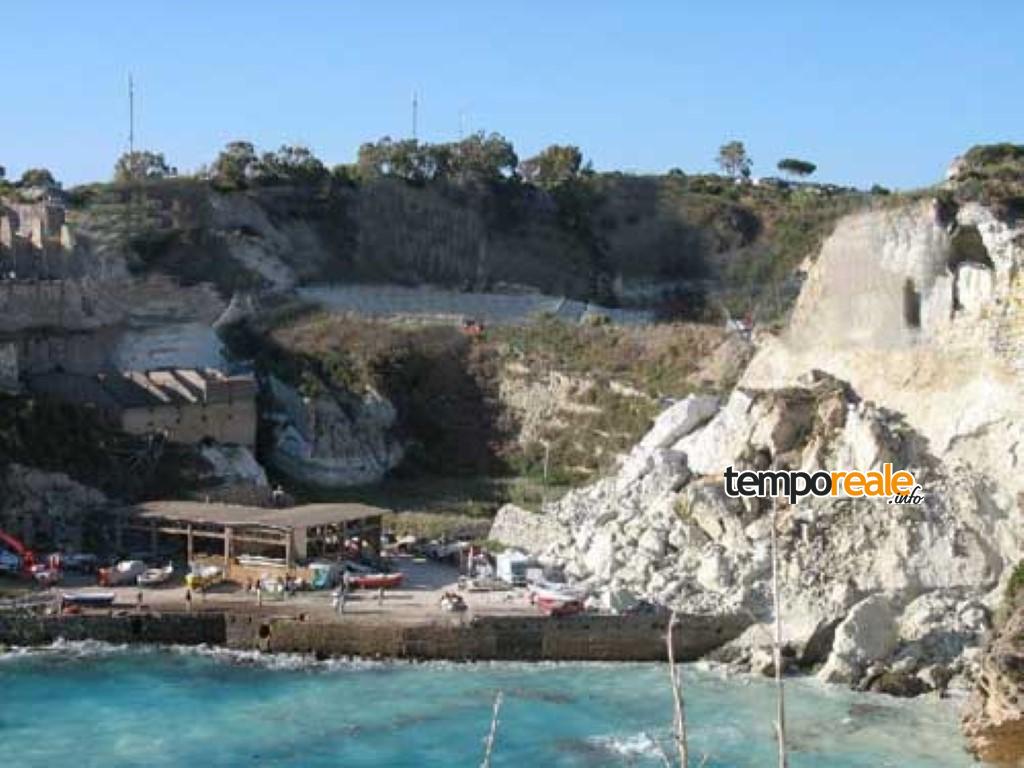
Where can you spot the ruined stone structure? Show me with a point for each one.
(186, 405)
(35, 240)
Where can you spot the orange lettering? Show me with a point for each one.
(836, 478)
(902, 482)
(854, 484)
(875, 484)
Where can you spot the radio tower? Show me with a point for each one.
(415, 109)
(131, 116)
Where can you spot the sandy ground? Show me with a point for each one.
(417, 600)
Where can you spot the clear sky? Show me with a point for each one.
(872, 91)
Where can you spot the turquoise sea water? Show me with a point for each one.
(90, 705)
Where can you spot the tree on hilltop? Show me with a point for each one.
(734, 161)
(38, 177)
(235, 165)
(142, 166)
(556, 164)
(796, 167)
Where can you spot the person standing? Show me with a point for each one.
(259, 594)
(188, 599)
(380, 596)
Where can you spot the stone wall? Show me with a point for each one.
(533, 638)
(162, 629)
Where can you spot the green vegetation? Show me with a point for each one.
(1015, 586)
(734, 160)
(993, 174)
(414, 212)
(796, 167)
(142, 166)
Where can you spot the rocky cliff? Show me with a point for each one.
(909, 311)
(994, 719)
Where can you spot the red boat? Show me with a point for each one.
(376, 580)
(558, 607)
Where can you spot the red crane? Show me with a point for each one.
(27, 557)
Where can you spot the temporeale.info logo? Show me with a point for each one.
(899, 486)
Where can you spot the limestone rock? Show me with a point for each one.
(994, 718)
(868, 634)
(336, 439)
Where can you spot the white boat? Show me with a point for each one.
(551, 592)
(151, 577)
(91, 599)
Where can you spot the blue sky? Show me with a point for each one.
(882, 92)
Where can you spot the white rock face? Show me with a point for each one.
(867, 634)
(927, 341)
(231, 464)
(332, 443)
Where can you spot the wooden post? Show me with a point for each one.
(288, 549)
(780, 722)
(189, 554)
(227, 549)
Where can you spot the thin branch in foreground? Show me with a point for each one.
(780, 721)
(678, 703)
(493, 732)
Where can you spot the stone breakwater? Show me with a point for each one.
(579, 638)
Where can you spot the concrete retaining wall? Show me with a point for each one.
(582, 638)
(531, 638)
(162, 629)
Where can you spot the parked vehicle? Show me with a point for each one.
(203, 576)
(153, 577)
(125, 572)
(81, 562)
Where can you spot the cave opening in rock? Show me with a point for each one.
(966, 246)
(911, 305)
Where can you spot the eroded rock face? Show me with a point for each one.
(994, 719)
(904, 347)
(334, 440)
(47, 508)
(906, 584)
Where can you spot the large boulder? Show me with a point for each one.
(867, 634)
(520, 528)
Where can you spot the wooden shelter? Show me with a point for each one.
(291, 535)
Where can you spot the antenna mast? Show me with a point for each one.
(415, 109)
(131, 115)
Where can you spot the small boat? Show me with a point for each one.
(553, 607)
(89, 599)
(125, 572)
(152, 577)
(376, 580)
(552, 592)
